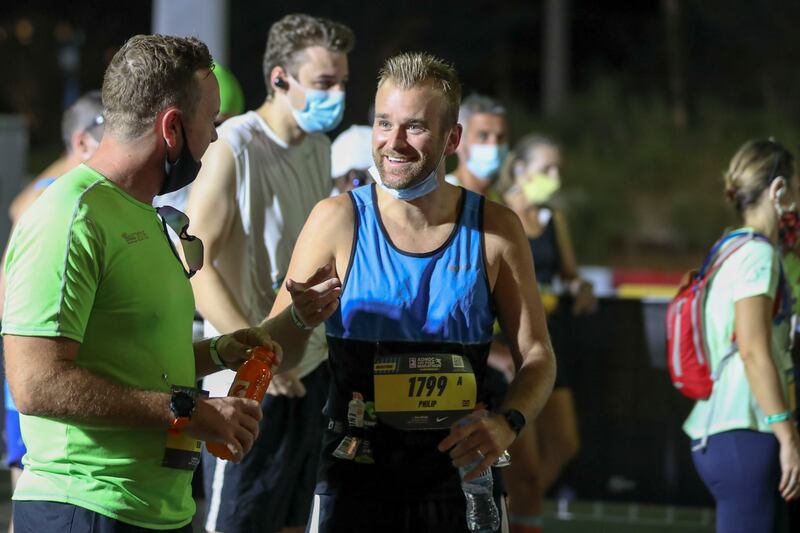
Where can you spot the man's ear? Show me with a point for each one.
(84, 144)
(76, 142)
(453, 139)
(278, 79)
(169, 126)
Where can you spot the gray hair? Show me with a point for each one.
(475, 104)
(86, 114)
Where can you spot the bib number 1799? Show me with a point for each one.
(417, 385)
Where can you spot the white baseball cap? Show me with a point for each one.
(352, 149)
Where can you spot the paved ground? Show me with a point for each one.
(577, 517)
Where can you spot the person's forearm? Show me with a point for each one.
(215, 301)
(763, 379)
(203, 363)
(291, 338)
(533, 383)
(71, 393)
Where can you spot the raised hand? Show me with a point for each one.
(317, 298)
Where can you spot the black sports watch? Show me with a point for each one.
(514, 418)
(182, 403)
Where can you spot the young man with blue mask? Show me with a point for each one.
(484, 145)
(426, 268)
(256, 188)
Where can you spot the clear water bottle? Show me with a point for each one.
(482, 514)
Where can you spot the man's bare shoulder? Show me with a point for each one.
(501, 227)
(335, 213)
(328, 230)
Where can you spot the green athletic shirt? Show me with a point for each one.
(91, 263)
(753, 270)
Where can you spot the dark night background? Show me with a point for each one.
(660, 93)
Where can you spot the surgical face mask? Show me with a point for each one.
(485, 159)
(419, 190)
(540, 188)
(322, 112)
(182, 172)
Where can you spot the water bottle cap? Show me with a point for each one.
(264, 353)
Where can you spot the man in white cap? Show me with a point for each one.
(351, 157)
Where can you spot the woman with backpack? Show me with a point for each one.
(745, 441)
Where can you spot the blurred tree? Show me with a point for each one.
(555, 52)
(674, 49)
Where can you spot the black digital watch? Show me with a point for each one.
(514, 418)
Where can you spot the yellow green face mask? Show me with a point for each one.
(540, 188)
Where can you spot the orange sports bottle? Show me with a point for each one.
(252, 380)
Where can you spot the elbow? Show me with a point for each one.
(25, 402)
(551, 364)
(26, 398)
(752, 355)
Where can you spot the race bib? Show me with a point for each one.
(181, 451)
(423, 391)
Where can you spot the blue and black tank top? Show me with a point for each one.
(409, 341)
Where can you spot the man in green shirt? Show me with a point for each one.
(98, 314)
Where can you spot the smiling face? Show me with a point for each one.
(409, 138)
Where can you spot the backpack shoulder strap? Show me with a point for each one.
(717, 255)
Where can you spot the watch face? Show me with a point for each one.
(182, 404)
(515, 419)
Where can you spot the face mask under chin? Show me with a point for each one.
(182, 172)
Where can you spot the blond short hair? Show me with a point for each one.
(753, 168)
(413, 69)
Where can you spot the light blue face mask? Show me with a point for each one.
(323, 110)
(485, 159)
(419, 190)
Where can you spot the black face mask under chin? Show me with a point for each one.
(182, 172)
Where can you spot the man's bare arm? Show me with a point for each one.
(211, 210)
(321, 253)
(45, 381)
(522, 318)
(233, 350)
